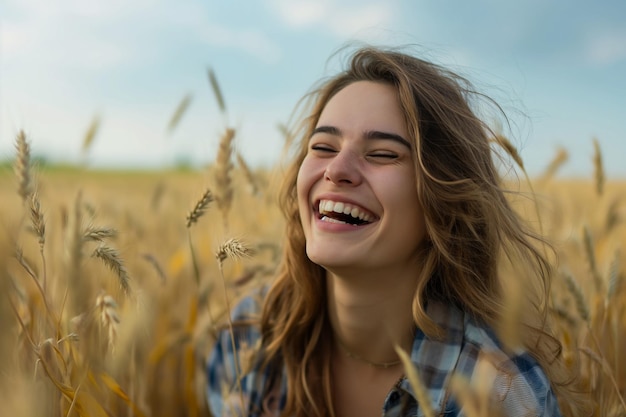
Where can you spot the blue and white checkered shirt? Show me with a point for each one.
(515, 383)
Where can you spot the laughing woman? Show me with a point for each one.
(397, 230)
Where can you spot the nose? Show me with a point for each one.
(344, 169)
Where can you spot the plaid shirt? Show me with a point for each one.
(514, 383)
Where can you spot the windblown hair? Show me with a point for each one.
(471, 226)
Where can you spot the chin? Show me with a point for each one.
(330, 261)
(326, 258)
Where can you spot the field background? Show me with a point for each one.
(110, 310)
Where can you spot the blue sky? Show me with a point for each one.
(557, 67)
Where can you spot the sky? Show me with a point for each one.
(557, 68)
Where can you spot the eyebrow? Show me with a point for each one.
(370, 134)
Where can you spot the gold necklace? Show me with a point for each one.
(383, 365)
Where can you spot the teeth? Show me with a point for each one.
(331, 220)
(328, 206)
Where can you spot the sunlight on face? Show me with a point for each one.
(356, 186)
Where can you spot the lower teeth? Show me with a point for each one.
(331, 220)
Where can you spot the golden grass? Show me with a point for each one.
(107, 280)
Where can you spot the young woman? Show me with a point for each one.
(397, 226)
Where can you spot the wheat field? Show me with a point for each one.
(114, 283)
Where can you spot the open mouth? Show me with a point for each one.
(343, 213)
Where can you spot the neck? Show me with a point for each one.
(372, 314)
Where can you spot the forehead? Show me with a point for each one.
(364, 106)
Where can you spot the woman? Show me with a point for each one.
(397, 226)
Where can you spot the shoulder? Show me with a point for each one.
(231, 356)
(518, 384)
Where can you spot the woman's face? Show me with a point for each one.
(356, 186)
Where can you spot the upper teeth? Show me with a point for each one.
(328, 206)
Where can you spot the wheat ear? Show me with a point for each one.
(193, 216)
(109, 319)
(591, 258)
(199, 209)
(39, 227)
(156, 265)
(22, 166)
(91, 133)
(180, 110)
(579, 298)
(216, 90)
(112, 259)
(37, 220)
(510, 149)
(598, 167)
(233, 249)
(99, 234)
(615, 276)
(559, 159)
(224, 166)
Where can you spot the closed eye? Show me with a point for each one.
(384, 155)
(322, 148)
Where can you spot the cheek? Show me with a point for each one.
(307, 174)
(303, 186)
(401, 192)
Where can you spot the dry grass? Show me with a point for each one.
(125, 332)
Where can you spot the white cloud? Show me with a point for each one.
(340, 18)
(98, 35)
(606, 48)
(80, 8)
(301, 13)
(70, 35)
(254, 43)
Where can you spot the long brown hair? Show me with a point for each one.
(471, 227)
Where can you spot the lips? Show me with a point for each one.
(343, 212)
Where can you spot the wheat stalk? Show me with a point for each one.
(232, 249)
(24, 263)
(75, 244)
(22, 166)
(247, 173)
(48, 355)
(112, 259)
